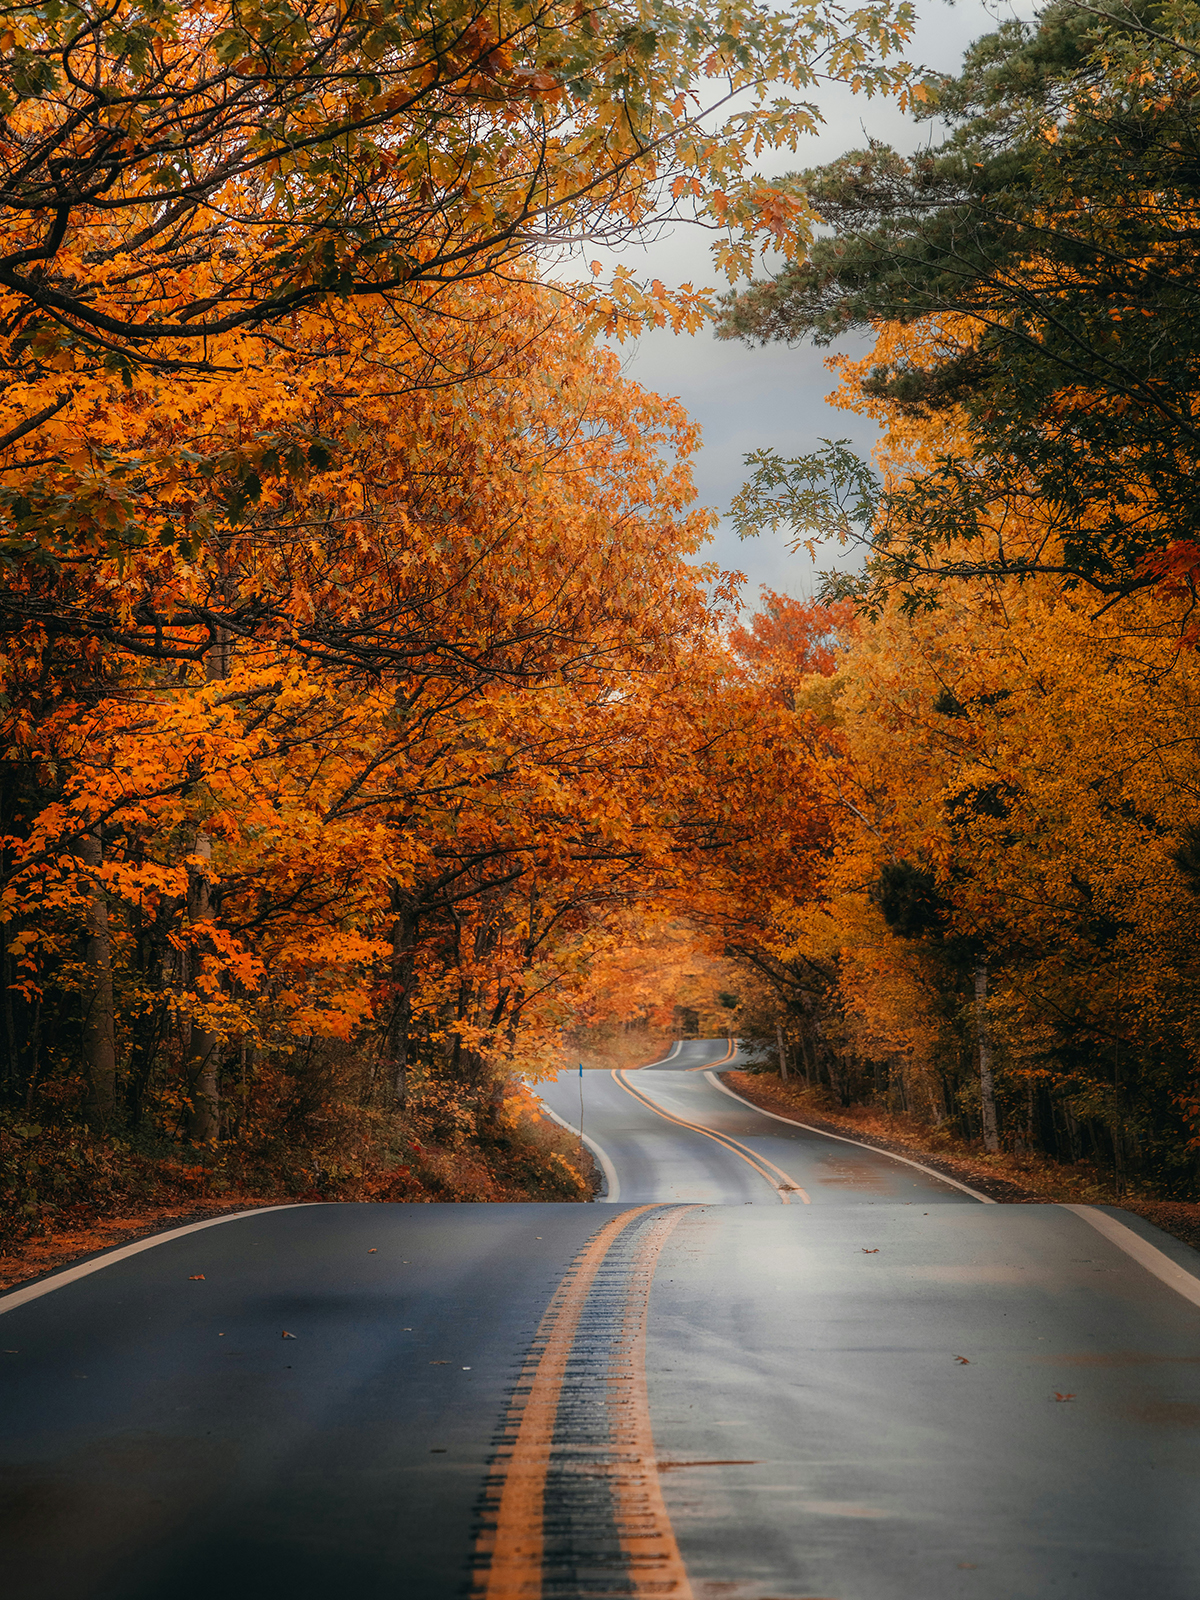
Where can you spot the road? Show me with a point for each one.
(720, 1392)
(656, 1128)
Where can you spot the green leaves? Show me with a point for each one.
(828, 494)
(1044, 256)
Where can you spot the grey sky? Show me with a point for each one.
(748, 398)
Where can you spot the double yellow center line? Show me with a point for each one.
(511, 1551)
(784, 1185)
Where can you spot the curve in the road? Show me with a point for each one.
(784, 1185)
(893, 1394)
(730, 1055)
(672, 1131)
(841, 1138)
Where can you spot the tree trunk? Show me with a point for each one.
(12, 1072)
(807, 1058)
(204, 1055)
(987, 1096)
(782, 1053)
(204, 1051)
(99, 1028)
(403, 938)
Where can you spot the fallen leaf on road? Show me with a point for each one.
(372, 1252)
(1058, 1396)
(867, 1252)
(439, 1363)
(466, 1369)
(196, 1277)
(962, 1360)
(289, 1336)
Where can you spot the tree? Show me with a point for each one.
(423, 860)
(788, 640)
(1047, 249)
(180, 184)
(375, 149)
(767, 773)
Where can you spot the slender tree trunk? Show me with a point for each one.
(99, 1026)
(403, 937)
(204, 1056)
(11, 1061)
(204, 1051)
(987, 1095)
(806, 1057)
(783, 1078)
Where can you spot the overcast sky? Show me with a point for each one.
(745, 399)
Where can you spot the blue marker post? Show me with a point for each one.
(581, 1112)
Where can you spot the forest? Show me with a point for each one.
(376, 733)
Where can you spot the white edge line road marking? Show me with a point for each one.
(1143, 1252)
(841, 1139)
(670, 1056)
(20, 1297)
(606, 1166)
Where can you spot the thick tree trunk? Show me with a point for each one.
(782, 1053)
(99, 1027)
(987, 1095)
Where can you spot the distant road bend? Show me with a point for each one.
(772, 1364)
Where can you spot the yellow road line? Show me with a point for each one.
(514, 1547)
(656, 1567)
(517, 1543)
(767, 1170)
(707, 1066)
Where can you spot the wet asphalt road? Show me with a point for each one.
(852, 1399)
(658, 1159)
(161, 1440)
(880, 1467)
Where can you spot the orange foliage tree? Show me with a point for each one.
(1005, 914)
(272, 845)
(349, 617)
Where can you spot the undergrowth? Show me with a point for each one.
(59, 1179)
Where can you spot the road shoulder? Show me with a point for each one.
(879, 1131)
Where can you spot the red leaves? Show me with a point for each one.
(287, 1335)
(196, 1277)
(962, 1361)
(867, 1252)
(1175, 567)
(1058, 1396)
